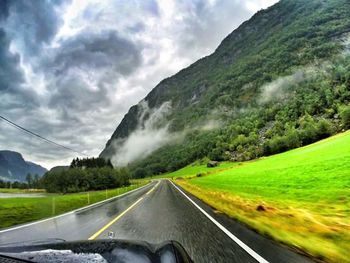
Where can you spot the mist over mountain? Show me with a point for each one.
(279, 81)
(14, 167)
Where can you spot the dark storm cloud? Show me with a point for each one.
(70, 94)
(27, 24)
(83, 69)
(33, 23)
(10, 74)
(4, 9)
(96, 52)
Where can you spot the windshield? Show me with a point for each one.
(219, 127)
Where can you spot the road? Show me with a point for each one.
(160, 211)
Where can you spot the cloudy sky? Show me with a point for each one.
(70, 69)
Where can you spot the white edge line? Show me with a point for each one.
(250, 251)
(71, 212)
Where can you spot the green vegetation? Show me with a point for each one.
(15, 211)
(16, 184)
(84, 178)
(278, 82)
(197, 169)
(300, 197)
(345, 114)
(77, 180)
(32, 182)
(90, 163)
(84, 175)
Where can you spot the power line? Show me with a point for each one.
(37, 135)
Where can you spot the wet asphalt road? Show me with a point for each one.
(158, 214)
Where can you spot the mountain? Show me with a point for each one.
(58, 169)
(279, 81)
(14, 167)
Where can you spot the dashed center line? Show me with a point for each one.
(104, 228)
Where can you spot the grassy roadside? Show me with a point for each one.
(303, 196)
(15, 211)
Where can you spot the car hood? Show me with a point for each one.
(121, 251)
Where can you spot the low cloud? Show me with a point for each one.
(148, 137)
(279, 89)
(153, 133)
(210, 125)
(346, 42)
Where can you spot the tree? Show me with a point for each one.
(324, 129)
(29, 180)
(292, 138)
(90, 163)
(79, 180)
(140, 173)
(36, 181)
(345, 116)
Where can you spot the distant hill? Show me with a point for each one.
(279, 81)
(14, 167)
(59, 168)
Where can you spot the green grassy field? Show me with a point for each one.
(193, 170)
(304, 195)
(15, 211)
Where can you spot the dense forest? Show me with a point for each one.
(280, 81)
(312, 110)
(85, 175)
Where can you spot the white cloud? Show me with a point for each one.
(256, 5)
(82, 108)
(279, 89)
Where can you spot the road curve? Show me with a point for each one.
(160, 212)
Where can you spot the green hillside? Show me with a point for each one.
(278, 82)
(197, 169)
(304, 195)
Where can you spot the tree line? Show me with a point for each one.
(32, 181)
(90, 163)
(85, 175)
(15, 184)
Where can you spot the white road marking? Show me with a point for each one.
(104, 228)
(71, 212)
(250, 251)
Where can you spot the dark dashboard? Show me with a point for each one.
(120, 251)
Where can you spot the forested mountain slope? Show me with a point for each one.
(14, 167)
(279, 81)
